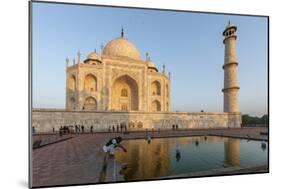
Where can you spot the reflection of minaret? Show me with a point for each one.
(232, 151)
(231, 87)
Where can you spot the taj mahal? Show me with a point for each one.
(117, 80)
(118, 87)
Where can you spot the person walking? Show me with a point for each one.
(91, 128)
(82, 128)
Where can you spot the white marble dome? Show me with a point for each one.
(121, 47)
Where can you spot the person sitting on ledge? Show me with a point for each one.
(113, 143)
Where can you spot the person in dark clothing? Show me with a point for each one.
(82, 127)
(91, 128)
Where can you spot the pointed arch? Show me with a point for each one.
(124, 94)
(156, 106)
(72, 83)
(140, 125)
(156, 88)
(90, 103)
(90, 83)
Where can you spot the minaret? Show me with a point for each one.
(230, 90)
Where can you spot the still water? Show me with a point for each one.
(174, 156)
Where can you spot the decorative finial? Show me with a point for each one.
(67, 61)
(169, 75)
(164, 68)
(122, 32)
(78, 54)
(73, 61)
(229, 22)
(95, 50)
(146, 56)
(101, 46)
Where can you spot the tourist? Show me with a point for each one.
(113, 143)
(91, 128)
(149, 139)
(109, 129)
(60, 131)
(113, 128)
(82, 127)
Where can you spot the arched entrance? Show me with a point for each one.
(156, 106)
(90, 104)
(156, 88)
(90, 83)
(124, 94)
(71, 83)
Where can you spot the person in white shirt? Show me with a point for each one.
(113, 143)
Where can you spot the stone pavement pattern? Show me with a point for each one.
(79, 160)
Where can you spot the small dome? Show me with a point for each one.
(93, 56)
(121, 47)
(151, 65)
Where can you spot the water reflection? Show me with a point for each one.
(263, 145)
(231, 152)
(173, 156)
(178, 152)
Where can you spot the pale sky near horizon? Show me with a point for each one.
(189, 44)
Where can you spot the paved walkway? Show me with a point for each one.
(79, 160)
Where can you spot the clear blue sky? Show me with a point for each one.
(189, 44)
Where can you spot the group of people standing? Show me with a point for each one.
(121, 128)
(67, 129)
(175, 127)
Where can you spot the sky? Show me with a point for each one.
(189, 44)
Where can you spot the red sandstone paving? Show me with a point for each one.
(79, 160)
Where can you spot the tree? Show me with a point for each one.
(248, 120)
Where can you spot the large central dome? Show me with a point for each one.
(121, 47)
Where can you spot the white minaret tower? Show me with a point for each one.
(230, 90)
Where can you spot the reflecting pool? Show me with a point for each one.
(174, 156)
